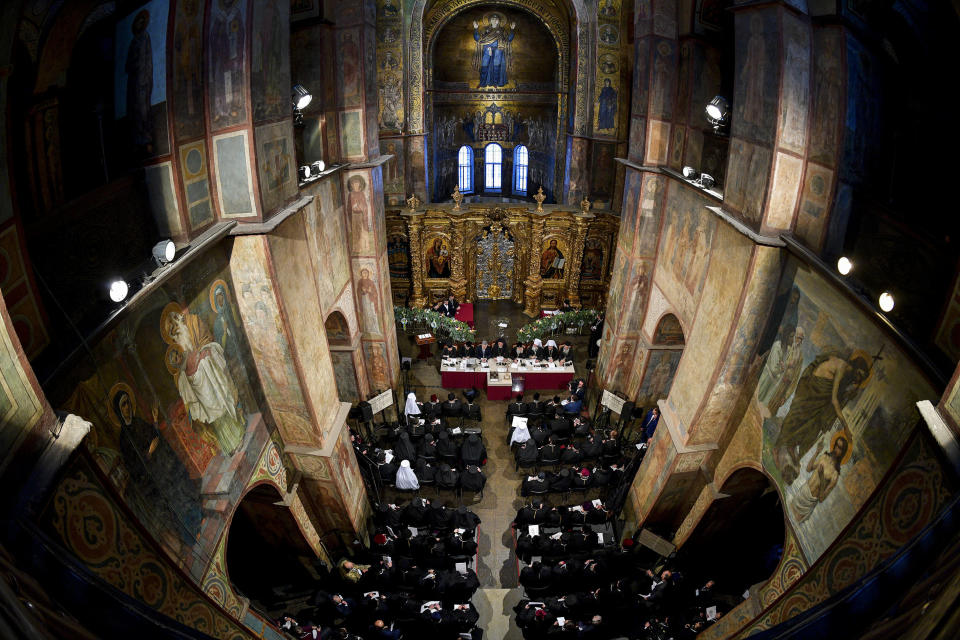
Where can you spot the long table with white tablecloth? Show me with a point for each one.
(453, 375)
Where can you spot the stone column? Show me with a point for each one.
(534, 283)
(576, 257)
(458, 276)
(415, 233)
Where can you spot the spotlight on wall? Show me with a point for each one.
(844, 266)
(718, 111)
(301, 97)
(163, 252)
(886, 301)
(317, 167)
(690, 173)
(707, 181)
(118, 290)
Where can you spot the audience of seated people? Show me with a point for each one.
(607, 593)
(407, 586)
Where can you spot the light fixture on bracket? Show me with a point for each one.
(317, 167)
(707, 181)
(844, 265)
(164, 252)
(718, 112)
(117, 289)
(301, 98)
(304, 172)
(690, 173)
(886, 301)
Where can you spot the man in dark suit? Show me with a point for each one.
(465, 350)
(536, 407)
(501, 349)
(566, 352)
(484, 351)
(560, 426)
(451, 306)
(596, 333)
(518, 352)
(432, 409)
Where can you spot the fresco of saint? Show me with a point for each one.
(492, 57)
(203, 379)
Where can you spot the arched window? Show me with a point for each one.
(493, 167)
(465, 169)
(520, 166)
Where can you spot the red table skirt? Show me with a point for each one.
(544, 314)
(545, 380)
(463, 379)
(465, 313)
(498, 392)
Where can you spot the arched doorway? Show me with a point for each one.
(341, 355)
(739, 540)
(268, 559)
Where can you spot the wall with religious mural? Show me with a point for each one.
(175, 416)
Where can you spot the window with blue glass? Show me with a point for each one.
(493, 167)
(520, 169)
(465, 169)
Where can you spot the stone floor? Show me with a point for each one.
(497, 567)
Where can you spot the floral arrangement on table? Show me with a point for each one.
(551, 325)
(439, 323)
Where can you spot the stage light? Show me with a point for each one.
(301, 97)
(118, 290)
(718, 111)
(163, 252)
(690, 173)
(707, 181)
(304, 172)
(844, 266)
(886, 301)
(318, 167)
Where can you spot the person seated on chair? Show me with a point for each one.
(535, 484)
(472, 479)
(467, 349)
(471, 411)
(461, 542)
(550, 452)
(472, 451)
(540, 433)
(452, 306)
(404, 449)
(351, 572)
(463, 518)
(561, 481)
(570, 455)
(574, 405)
(412, 408)
(566, 352)
(425, 471)
(551, 353)
(446, 448)
(501, 350)
(427, 447)
(406, 479)
(580, 390)
(566, 307)
(535, 350)
(519, 352)
(449, 351)
(447, 477)
(560, 426)
(484, 351)
(527, 454)
(536, 407)
(583, 479)
(470, 394)
(432, 409)
(452, 408)
(517, 408)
